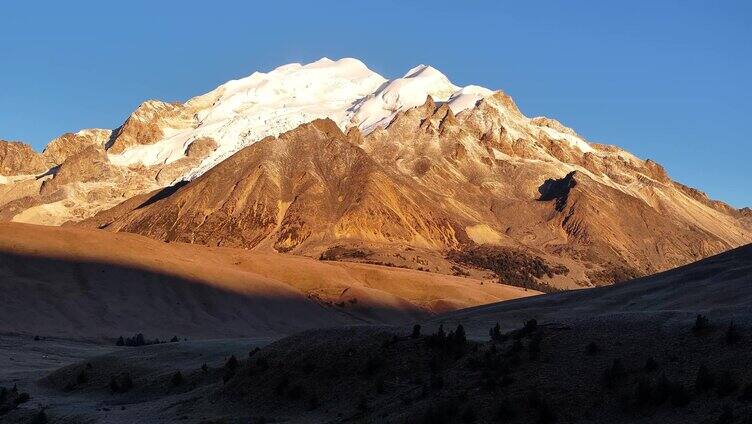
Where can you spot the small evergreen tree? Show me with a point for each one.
(530, 326)
(232, 363)
(121, 383)
(81, 378)
(460, 339)
(416, 331)
(516, 346)
(701, 324)
(495, 332)
(177, 379)
(732, 334)
(23, 397)
(662, 390)
(704, 380)
(380, 386)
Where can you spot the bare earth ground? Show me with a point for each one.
(627, 353)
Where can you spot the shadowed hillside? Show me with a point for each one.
(671, 348)
(91, 284)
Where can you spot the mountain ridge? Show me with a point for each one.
(414, 162)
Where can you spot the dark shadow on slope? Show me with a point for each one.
(558, 190)
(719, 284)
(51, 171)
(163, 194)
(86, 299)
(113, 136)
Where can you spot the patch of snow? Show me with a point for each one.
(379, 108)
(572, 140)
(466, 98)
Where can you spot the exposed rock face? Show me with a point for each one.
(309, 186)
(20, 159)
(543, 121)
(745, 215)
(435, 181)
(82, 180)
(89, 165)
(69, 144)
(609, 207)
(194, 154)
(148, 123)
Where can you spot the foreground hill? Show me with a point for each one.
(80, 283)
(633, 352)
(718, 286)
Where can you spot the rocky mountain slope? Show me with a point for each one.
(332, 160)
(162, 143)
(432, 183)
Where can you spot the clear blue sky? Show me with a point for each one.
(669, 81)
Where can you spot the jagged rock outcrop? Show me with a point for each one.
(307, 187)
(197, 151)
(745, 216)
(17, 158)
(88, 165)
(434, 181)
(69, 144)
(148, 123)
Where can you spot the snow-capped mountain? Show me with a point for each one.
(241, 112)
(162, 143)
(331, 155)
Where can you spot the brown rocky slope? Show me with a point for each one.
(432, 182)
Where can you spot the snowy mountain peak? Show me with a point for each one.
(379, 108)
(243, 111)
